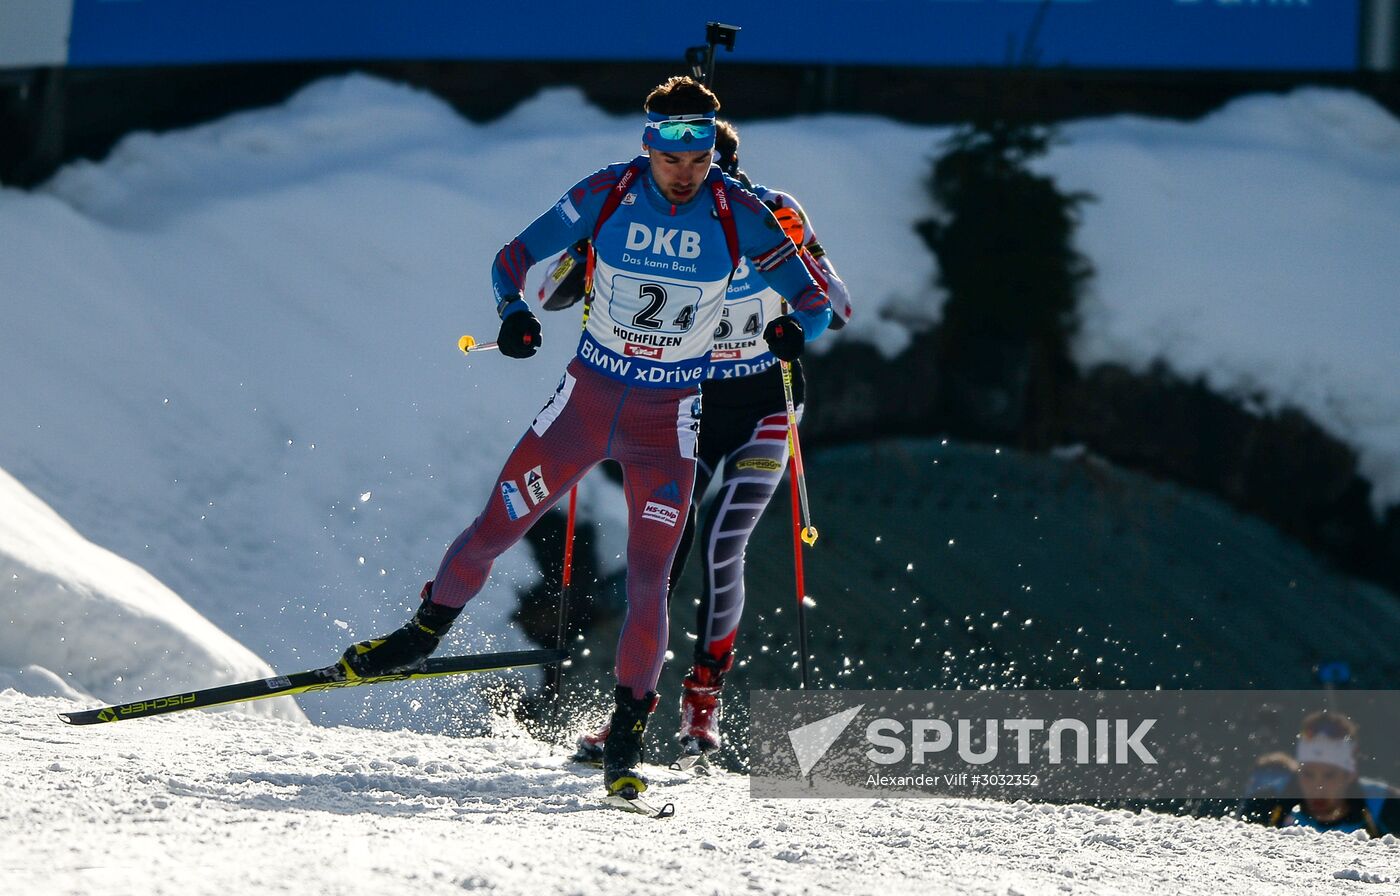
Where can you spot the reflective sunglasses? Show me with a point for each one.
(685, 131)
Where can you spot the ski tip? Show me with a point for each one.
(691, 762)
(640, 806)
(694, 755)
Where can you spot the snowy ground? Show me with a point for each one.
(218, 804)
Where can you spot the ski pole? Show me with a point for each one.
(566, 581)
(802, 529)
(469, 344)
(808, 531)
(798, 570)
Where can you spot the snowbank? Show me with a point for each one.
(1258, 248)
(81, 622)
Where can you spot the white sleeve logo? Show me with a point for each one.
(567, 211)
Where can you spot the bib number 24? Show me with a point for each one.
(652, 315)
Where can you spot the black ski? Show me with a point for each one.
(325, 679)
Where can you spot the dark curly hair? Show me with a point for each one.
(727, 147)
(681, 95)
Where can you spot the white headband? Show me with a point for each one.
(1340, 752)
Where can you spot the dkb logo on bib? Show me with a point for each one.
(663, 240)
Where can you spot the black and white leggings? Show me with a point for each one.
(746, 449)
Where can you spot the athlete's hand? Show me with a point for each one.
(785, 338)
(520, 334)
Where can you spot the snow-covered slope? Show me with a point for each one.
(1258, 248)
(228, 352)
(79, 621)
(228, 804)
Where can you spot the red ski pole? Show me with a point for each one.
(808, 531)
(566, 582)
(797, 531)
(802, 529)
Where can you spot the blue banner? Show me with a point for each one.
(1117, 34)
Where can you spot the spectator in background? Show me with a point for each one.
(1324, 771)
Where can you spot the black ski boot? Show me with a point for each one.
(404, 650)
(622, 751)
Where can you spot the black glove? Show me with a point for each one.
(785, 338)
(520, 335)
(404, 650)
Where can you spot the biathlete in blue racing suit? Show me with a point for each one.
(667, 230)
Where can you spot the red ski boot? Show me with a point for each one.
(700, 709)
(590, 745)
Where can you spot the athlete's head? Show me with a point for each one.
(1327, 758)
(727, 147)
(680, 136)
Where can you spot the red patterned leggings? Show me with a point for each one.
(651, 432)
